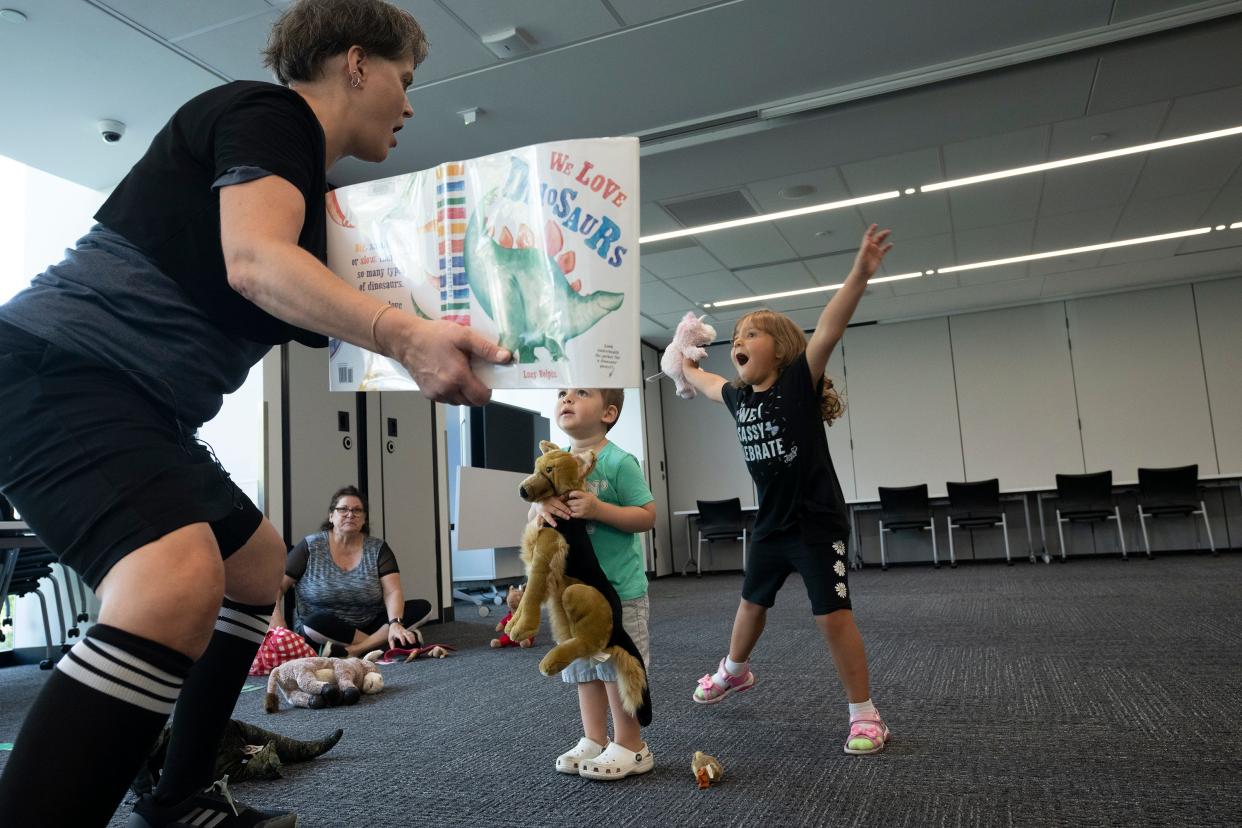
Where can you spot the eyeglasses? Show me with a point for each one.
(347, 510)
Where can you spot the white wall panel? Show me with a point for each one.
(1015, 392)
(1219, 306)
(1139, 378)
(903, 407)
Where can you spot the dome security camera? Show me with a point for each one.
(111, 131)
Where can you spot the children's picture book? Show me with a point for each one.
(535, 249)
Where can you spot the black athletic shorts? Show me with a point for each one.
(98, 466)
(823, 566)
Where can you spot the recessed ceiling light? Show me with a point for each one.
(909, 191)
(1235, 225)
(822, 233)
(742, 222)
(1099, 137)
(796, 191)
(1082, 159)
(1219, 227)
(12, 16)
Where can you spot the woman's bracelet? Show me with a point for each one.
(374, 320)
(392, 621)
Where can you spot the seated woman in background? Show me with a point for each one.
(348, 587)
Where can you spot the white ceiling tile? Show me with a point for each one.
(647, 276)
(1220, 240)
(895, 172)
(911, 217)
(827, 183)
(549, 23)
(831, 270)
(776, 278)
(993, 275)
(995, 202)
(1064, 264)
(1205, 112)
(177, 19)
(925, 253)
(710, 287)
(1121, 128)
(1075, 229)
(654, 220)
(236, 48)
(1101, 184)
(996, 152)
(453, 49)
(1130, 9)
(1194, 59)
(999, 242)
(1227, 206)
(656, 298)
(1199, 166)
(668, 320)
(821, 233)
(1165, 215)
(749, 245)
(1140, 253)
(634, 12)
(925, 284)
(684, 262)
(650, 327)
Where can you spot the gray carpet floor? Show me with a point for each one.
(1095, 693)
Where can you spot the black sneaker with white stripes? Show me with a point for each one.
(213, 808)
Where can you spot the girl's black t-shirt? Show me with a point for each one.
(786, 452)
(168, 205)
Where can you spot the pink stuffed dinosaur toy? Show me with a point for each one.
(688, 341)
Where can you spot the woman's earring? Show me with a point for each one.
(355, 80)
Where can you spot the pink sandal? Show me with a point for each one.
(868, 734)
(714, 688)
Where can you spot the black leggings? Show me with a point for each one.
(342, 632)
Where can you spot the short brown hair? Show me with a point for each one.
(612, 396)
(309, 31)
(790, 342)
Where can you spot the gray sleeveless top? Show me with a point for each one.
(354, 596)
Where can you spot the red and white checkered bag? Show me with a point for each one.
(279, 645)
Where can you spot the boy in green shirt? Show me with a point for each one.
(620, 507)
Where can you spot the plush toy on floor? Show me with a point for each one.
(513, 599)
(707, 769)
(247, 752)
(408, 654)
(691, 335)
(320, 682)
(562, 570)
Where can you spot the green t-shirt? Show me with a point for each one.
(618, 479)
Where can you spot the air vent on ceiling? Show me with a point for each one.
(696, 212)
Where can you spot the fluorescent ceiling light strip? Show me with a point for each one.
(799, 211)
(1070, 251)
(1235, 225)
(1082, 159)
(803, 291)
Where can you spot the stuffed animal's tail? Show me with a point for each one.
(632, 684)
(270, 702)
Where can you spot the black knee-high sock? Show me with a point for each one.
(208, 698)
(90, 728)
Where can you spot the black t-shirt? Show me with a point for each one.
(786, 451)
(168, 205)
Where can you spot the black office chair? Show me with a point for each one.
(903, 508)
(1087, 498)
(974, 506)
(25, 578)
(719, 520)
(1171, 493)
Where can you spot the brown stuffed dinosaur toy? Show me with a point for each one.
(562, 570)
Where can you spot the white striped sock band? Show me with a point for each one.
(246, 625)
(121, 675)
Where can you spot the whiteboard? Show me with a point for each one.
(489, 511)
(903, 406)
(1219, 306)
(1138, 372)
(1015, 394)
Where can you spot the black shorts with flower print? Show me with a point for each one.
(824, 569)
